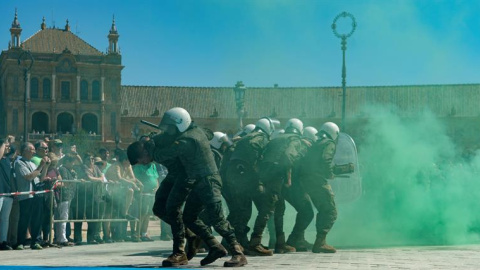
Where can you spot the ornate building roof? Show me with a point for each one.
(54, 40)
(312, 102)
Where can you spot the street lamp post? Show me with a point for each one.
(239, 90)
(344, 37)
(117, 140)
(25, 61)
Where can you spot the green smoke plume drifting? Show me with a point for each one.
(418, 189)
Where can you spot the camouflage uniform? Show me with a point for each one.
(279, 158)
(176, 173)
(203, 188)
(241, 183)
(315, 170)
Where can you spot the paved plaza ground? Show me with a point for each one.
(151, 254)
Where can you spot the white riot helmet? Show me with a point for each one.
(247, 129)
(265, 124)
(310, 133)
(178, 117)
(331, 130)
(218, 139)
(294, 125)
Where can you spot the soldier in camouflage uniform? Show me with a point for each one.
(281, 155)
(163, 208)
(191, 146)
(315, 171)
(299, 196)
(241, 182)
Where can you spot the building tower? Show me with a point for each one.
(15, 31)
(113, 39)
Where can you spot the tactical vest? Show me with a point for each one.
(250, 148)
(284, 150)
(313, 166)
(199, 162)
(226, 160)
(217, 156)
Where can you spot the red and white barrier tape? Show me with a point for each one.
(15, 194)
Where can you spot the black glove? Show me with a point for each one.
(344, 169)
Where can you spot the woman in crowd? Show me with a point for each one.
(148, 175)
(64, 195)
(121, 173)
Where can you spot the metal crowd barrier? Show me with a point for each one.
(88, 201)
(92, 202)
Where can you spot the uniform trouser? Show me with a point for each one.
(175, 201)
(206, 195)
(273, 202)
(273, 179)
(323, 199)
(300, 203)
(159, 208)
(31, 211)
(239, 191)
(161, 196)
(299, 199)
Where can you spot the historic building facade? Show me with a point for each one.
(71, 86)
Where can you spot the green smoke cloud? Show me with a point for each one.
(418, 188)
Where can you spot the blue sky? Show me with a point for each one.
(263, 42)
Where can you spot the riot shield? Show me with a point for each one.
(347, 187)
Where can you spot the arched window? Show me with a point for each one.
(90, 123)
(96, 91)
(34, 88)
(84, 90)
(47, 92)
(65, 122)
(40, 122)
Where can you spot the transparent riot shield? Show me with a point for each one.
(347, 187)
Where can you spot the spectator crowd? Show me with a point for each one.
(46, 183)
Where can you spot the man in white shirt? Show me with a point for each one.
(28, 176)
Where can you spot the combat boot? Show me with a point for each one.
(320, 245)
(298, 242)
(178, 256)
(193, 243)
(215, 251)
(238, 258)
(255, 247)
(281, 247)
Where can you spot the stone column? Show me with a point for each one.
(53, 118)
(78, 88)
(54, 76)
(102, 90)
